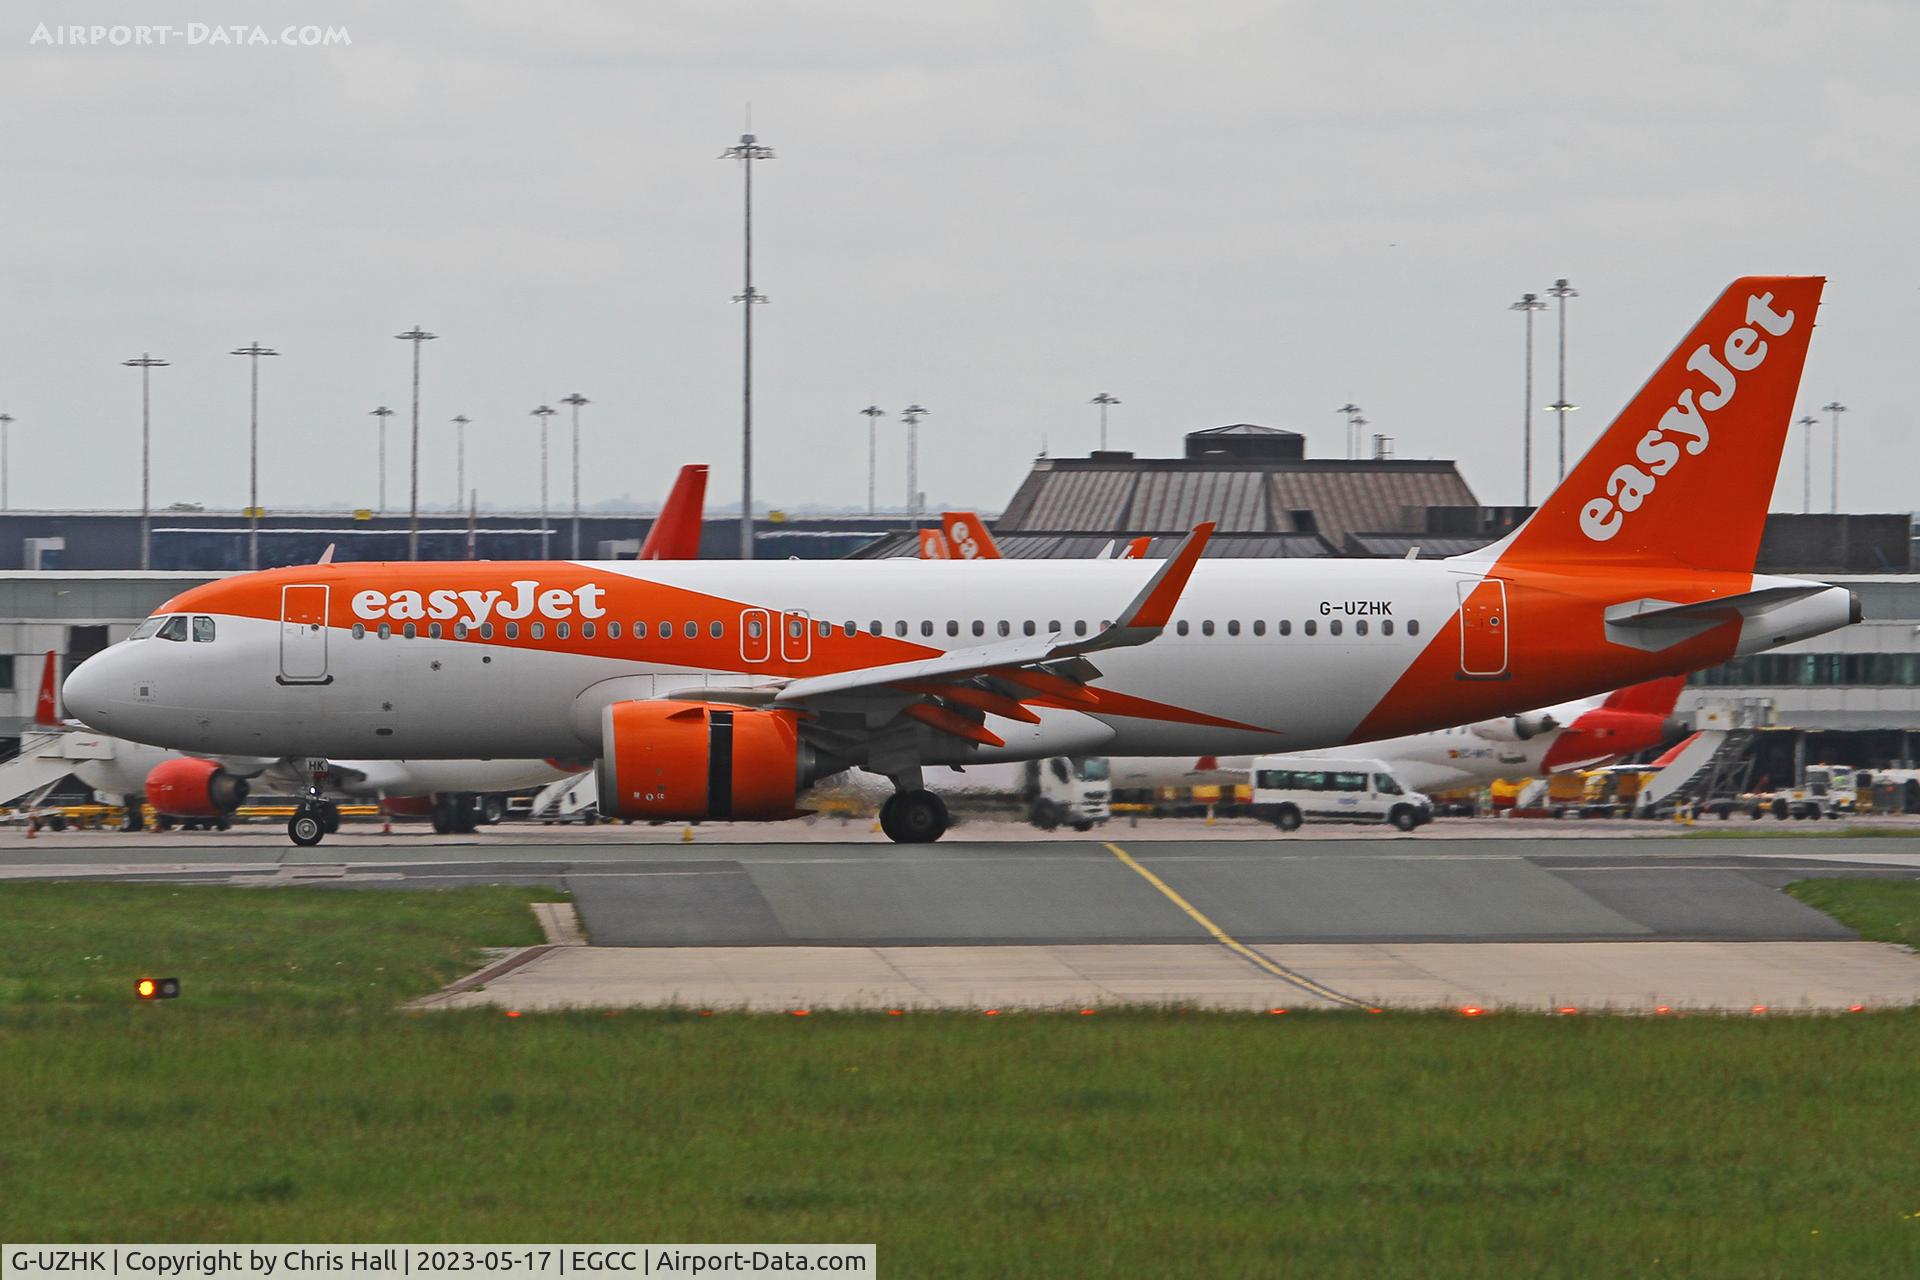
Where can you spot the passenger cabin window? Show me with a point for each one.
(1413, 626)
(410, 631)
(1333, 628)
(613, 630)
(1386, 626)
(1206, 628)
(719, 629)
(1285, 628)
(513, 630)
(537, 630)
(1180, 627)
(691, 630)
(175, 628)
(359, 630)
(1309, 626)
(202, 629)
(561, 630)
(386, 630)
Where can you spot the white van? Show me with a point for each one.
(1289, 790)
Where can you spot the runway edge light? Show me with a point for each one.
(157, 989)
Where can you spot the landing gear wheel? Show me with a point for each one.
(330, 817)
(918, 817)
(306, 829)
(888, 808)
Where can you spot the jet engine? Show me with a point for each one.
(185, 787)
(681, 761)
(1520, 728)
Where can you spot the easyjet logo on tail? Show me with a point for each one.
(1685, 424)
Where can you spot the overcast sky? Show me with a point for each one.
(1218, 212)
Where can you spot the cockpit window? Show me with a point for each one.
(175, 628)
(202, 629)
(147, 628)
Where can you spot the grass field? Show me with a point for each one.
(1884, 910)
(281, 1103)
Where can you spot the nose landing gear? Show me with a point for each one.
(313, 821)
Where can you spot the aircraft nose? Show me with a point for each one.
(85, 692)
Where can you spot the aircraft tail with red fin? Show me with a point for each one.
(46, 708)
(675, 534)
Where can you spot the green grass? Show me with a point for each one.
(1883, 910)
(254, 949)
(1768, 828)
(1143, 1143)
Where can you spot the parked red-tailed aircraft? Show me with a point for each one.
(722, 690)
(963, 535)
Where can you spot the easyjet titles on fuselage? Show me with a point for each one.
(526, 598)
(1629, 486)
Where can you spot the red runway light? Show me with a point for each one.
(1276, 1011)
(991, 1013)
(513, 1013)
(1376, 1010)
(801, 1013)
(1759, 1008)
(1471, 1010)
(1663, 1009)
(1856, 1008)
(896, 1013)
(1566, 1010)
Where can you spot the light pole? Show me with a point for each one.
(576, 400)
(145, 364)
(1835, 408)
(382, 413)
(1352, 411)
(1529, 303)
(253, 352)
(911, 415)
(747, 151)
(543, 412)
(6, 420)
(416, 336)
(1807, 424)
(874, 413)
(1562, 290)
(460, 422)
(1103, 400)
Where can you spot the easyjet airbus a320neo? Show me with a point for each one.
(722, 690)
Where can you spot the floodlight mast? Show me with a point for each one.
(747, 150)
(253, 352)
(146, 364)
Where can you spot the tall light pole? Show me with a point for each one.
(874, 413)
(1562, 290)
(1807, 425)
(543, 412)
(253, 352)
(911, 415)
(747, 151)
(1529, 303)
(1835, 408)
(416, 336)
(381, 413)
(145, 364)
(1103, 400)
(1352, 411)
(576, 400)
(6, 420)
(460, 422)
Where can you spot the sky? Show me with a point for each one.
(1217, 212)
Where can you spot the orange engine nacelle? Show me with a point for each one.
(688, 760)
(191, 788)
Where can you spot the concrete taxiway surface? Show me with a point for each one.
(1243, 922)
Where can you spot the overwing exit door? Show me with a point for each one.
(1483, 628)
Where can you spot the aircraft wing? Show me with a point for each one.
(962, 685)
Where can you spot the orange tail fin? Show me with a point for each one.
(676, 530)
(1654, 697)
(1684, 474)
(968, 537)
(933, 545)
(46, 709)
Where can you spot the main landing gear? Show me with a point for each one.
(913, 817)
(313, 822)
